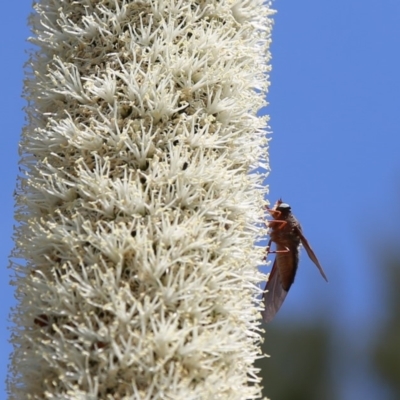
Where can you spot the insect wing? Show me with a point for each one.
(274, 294)
(310, 253)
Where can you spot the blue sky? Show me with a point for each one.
(335, 155)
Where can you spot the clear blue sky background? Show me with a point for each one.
(335, 156)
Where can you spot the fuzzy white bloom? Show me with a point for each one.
(137, 210)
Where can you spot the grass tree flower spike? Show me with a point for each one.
(139, 201)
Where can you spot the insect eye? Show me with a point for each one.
(284, 207)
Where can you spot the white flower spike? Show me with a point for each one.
(140, 201)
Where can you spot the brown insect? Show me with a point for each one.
(287, 234)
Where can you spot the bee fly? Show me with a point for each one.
(287, 234)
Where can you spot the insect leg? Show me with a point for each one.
(274, 213)
(281, 223)
(268, 251)
(278, 251)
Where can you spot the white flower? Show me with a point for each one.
(138, 212)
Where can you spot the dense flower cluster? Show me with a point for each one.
(137, 209)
